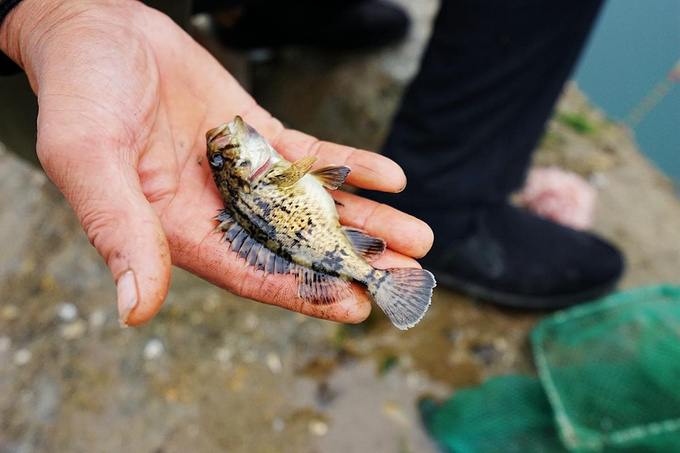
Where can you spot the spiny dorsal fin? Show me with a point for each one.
(296, 171)
(332, 176)
(365, 245)
(319, 288)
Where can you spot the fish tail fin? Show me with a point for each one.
(404, 294)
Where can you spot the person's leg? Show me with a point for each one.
(465, 133)
(487, 84)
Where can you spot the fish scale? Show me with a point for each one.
(279, 218)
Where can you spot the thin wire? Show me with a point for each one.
(652, 99)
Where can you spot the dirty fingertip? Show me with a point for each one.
(355, 310)
(127, 295)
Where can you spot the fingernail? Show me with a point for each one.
(127, 296)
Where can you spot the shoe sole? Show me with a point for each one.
(524, 301)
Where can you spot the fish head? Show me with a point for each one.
(238, 152)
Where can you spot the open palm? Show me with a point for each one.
(125, 99)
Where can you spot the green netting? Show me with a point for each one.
(611, 371)
(609, 382)
(506, 414)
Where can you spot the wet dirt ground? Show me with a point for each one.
(214, 372)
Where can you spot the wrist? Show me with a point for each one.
(25, 29)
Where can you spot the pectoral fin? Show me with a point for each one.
(296, 171)
(332, 176)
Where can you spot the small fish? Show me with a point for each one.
(279, 217)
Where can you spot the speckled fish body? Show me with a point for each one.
(280, 218)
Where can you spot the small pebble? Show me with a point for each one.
(193, 430)
(97, 318)
(278, 424)
(5, 343)
(153, 349)
(274, 363)
(406, 362)
(318, 427)
(9, 313)
(414, 379)
(501, 344)
(251, 322)
(67, 312)
(23, 356)
(395, 412)
(73, 330)
(201, 21)
(211, 303)
(598, 180)
(223, 354)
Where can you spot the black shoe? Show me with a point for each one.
(334, 24)
(514, 258)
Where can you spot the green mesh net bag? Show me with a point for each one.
(506, 414)
(611, 371)
(609, 382)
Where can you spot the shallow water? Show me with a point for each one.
(633, 47)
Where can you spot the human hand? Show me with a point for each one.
(125, 98)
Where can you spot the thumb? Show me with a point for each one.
(104, 190)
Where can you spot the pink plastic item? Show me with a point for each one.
(561, 196)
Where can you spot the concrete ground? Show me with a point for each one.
(214, 372)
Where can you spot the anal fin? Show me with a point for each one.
(320, 288)
(315, 287)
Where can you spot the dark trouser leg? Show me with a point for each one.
(464, 135)
(472, 116)
(18, 116)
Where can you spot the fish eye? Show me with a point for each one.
(245, 163)
(216, 161)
